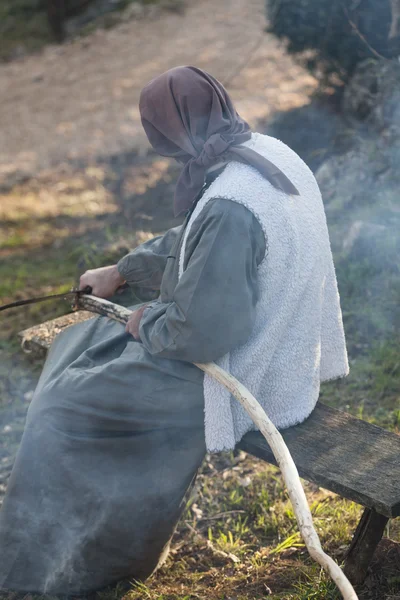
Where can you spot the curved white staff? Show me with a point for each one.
(273, 437)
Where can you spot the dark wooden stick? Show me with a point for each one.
(103, 307)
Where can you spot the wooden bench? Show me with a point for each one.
(348, 456)
(354, 459)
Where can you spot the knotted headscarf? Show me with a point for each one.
(188, 115)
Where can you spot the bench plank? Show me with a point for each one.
(348, 456)
(40, 337)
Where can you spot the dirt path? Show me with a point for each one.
(80, 100)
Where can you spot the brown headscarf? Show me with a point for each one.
(187, 114)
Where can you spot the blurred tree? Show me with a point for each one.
(58, 10)
(56, 15)
(341, 33)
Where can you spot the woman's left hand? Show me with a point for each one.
(133, 323)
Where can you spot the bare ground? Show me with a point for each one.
(81, 100)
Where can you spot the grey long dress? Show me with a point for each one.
(115, 433)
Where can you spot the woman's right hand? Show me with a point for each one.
(104, 281)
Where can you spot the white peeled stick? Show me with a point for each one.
(267, 428)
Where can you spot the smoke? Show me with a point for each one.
(363, 204)
(18, 379)
(355, 154)
(49, 545)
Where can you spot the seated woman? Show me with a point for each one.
(121, 420)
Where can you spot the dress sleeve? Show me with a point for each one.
(213, 305)
(144, 266)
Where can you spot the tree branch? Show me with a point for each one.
(274, 439)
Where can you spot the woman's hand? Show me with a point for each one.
(104, 281)
(133, 323)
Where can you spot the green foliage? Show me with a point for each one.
(292, 541)
(23, 27)
(341, 33)
(317, 586)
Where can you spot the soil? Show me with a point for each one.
(80, 100)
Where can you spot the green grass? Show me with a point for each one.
(371, 391)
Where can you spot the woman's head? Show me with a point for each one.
(182, 108)
(188, 115)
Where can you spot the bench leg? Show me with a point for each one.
(368, 534)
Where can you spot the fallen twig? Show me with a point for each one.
(200, 538)
(362, 37)
(221, 515)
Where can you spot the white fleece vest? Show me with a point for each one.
(298, 338)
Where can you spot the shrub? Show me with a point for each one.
(340, 32)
